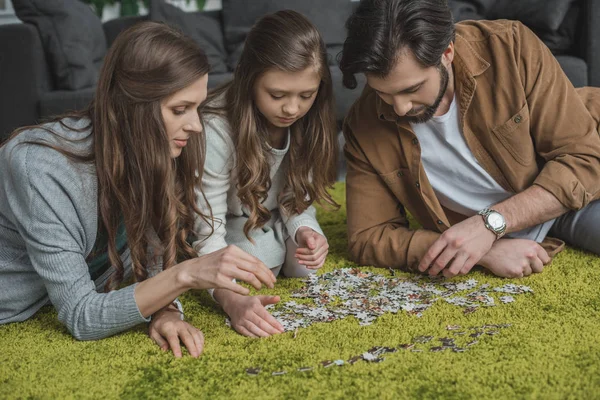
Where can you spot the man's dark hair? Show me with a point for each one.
(379, 29)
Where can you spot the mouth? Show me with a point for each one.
(286, 120)
(180, 142)
(415, 112)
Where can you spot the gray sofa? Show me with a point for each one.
(30, 90)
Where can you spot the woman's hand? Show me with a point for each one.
(167, 330)
(218, 270)
(312, 248)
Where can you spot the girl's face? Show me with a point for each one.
(180, 114)
(284, 97)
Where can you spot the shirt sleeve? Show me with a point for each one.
(378, 231)
(563, 130)
(52, 214)
(294, 222)
(216, 180)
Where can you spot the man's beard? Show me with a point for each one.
(429, 111)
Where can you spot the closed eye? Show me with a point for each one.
(413, 90)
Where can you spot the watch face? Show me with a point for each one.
(495, 220)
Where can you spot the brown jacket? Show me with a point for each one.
(520, 116)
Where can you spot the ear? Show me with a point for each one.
(448, 55)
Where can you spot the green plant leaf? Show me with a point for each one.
(129, 7)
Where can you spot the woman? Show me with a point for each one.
(97, 196)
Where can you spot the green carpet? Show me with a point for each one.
(550, 351)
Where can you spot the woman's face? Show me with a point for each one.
(180, 114)
(285, 97)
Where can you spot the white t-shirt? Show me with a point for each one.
(459, 181)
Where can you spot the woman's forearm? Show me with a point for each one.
(159, 291)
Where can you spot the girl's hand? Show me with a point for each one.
(219, 268)
(248, 314)
(167, 330)
(312, 248)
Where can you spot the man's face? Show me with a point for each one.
(415, 92)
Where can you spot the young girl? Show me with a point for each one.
(97, 196)
(271, 152)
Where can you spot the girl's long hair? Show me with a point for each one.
(138, 180)
(285, 41)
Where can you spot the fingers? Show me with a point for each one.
(154, 335)
(313, 259)
(251, 264)
(198, 339)
(456, 265)
(466, 268)
(433, 253)
(303, 235)
(266, 321)
(242, 330)
(242, 273)
(266, 300)
(317, 264)
(188, 341)
(236, 288)
(255, 274)
(543, 255)
(250, 317)
(537, 265)
(442, 261)
(173, 340)
(527, 270)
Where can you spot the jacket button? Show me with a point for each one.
(418, 185)
(517, 119)
(439, 221)
(415, 141)
(400, 173)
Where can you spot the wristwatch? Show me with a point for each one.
(494, 221)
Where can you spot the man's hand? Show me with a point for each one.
(312, 248)
(459, 248)
(248, 313)
(515, 258)
(167, 329)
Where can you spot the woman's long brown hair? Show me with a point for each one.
(138, 180)
(286, 41)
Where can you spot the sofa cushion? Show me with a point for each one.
(544, 15)
(239, 15)
(575, 68)
(206, 31)
(559, 41)
(72, 37)
(59, 102)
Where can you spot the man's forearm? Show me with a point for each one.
(531, 207)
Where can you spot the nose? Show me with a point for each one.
(194, 124)
(401, 107)
(290, 107)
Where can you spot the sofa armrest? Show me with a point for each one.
(115, 26)
(592, 41)
(24, 75)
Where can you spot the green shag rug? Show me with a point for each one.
(550, 351)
